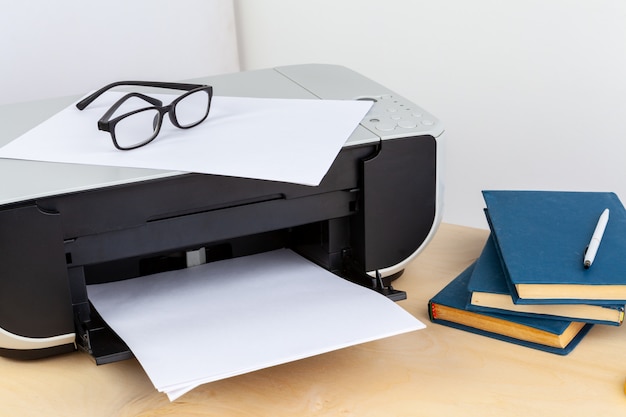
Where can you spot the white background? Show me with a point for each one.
(53, 48)
(532, 93)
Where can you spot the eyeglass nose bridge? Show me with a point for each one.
(170, 109)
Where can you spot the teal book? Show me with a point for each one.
(541, 237)
(489, 292)
(449, 308)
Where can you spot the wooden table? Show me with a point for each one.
(438, 371)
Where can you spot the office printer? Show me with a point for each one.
(63, 227)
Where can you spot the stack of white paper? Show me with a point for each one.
(290, 140)
(217, 320)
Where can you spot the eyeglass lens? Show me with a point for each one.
(137, 128)
(192, 108)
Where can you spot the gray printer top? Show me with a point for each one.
(391, 116)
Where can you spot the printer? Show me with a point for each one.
(64, 226)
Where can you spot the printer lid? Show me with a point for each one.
(27, 180)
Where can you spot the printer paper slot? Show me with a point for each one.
(222, 206)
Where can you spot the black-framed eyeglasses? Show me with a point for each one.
(139, 127)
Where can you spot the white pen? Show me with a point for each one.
(594, 243)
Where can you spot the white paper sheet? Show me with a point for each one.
(290, 140)
(218, 320)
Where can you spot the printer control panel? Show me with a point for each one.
(391, 115)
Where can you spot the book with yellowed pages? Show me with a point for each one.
(541, 237)
(490, 293)
(449, 308)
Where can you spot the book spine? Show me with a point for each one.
(432, 311)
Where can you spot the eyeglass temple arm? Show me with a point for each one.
(175, 86)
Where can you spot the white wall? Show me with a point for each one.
(61, 47)
(532, 93)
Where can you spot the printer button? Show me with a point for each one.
(427, 122)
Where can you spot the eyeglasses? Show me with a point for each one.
(139, 127)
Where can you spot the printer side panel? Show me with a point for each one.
(36, 318)
(398, 202)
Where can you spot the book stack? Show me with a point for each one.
(530, 285)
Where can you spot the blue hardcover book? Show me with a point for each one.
(448, 307)
(490, 293)
(541, 237)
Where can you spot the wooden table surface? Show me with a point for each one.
(438, 371)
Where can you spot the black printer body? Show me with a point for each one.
(376, 208)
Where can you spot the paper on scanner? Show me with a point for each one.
(289, 140)
(218, 320)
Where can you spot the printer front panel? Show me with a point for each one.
(373, 208)
(137, 229)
